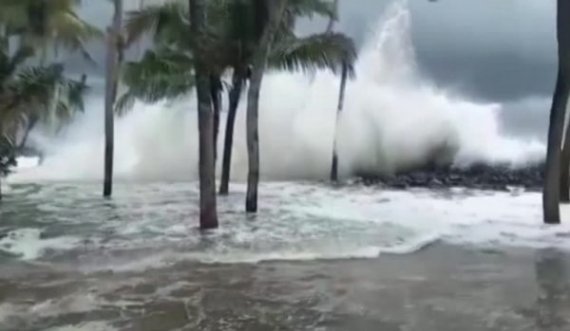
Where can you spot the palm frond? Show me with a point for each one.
(321, 51)
(166, 22)
(35, 82)
(22, 54)
(165, 74)
(75, 91)
(9, 65)
(72, 33)
(125, 103)
(34, 88)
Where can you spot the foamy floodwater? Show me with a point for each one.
(149, 225)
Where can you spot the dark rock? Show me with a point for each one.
(479, 176)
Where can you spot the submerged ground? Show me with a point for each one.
(442, 288)
(316, 257)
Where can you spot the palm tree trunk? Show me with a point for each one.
(276, 9)
(551, 191)
(208, 213)
(334, 165)
(216, 95)
(565, 168)
(109, 119)
(344, 73)
(234, 97)
(114, 57)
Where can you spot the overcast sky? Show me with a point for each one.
(488, 50)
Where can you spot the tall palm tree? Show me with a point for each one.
(165, 71)
(343, 77)
(168, 27)
(114, 60)
(320, 51)
(199, 29)
(551, 191)
(239, 78)
(274, 10)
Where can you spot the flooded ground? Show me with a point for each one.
(442, 288)
(316, 257)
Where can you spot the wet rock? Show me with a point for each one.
(477, 176)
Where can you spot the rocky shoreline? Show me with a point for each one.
(484, 177)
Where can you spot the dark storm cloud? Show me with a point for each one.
(495, 50)
(489, 50)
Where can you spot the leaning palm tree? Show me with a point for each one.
(551, 192)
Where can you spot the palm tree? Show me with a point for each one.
(45, 24)
(345, 70)
(168, 27)
(29, 93)
(199, 28)
(274, 10)
(551, 191)
(165, 72)
(25, 92)
(114, 59)
(239, 77)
